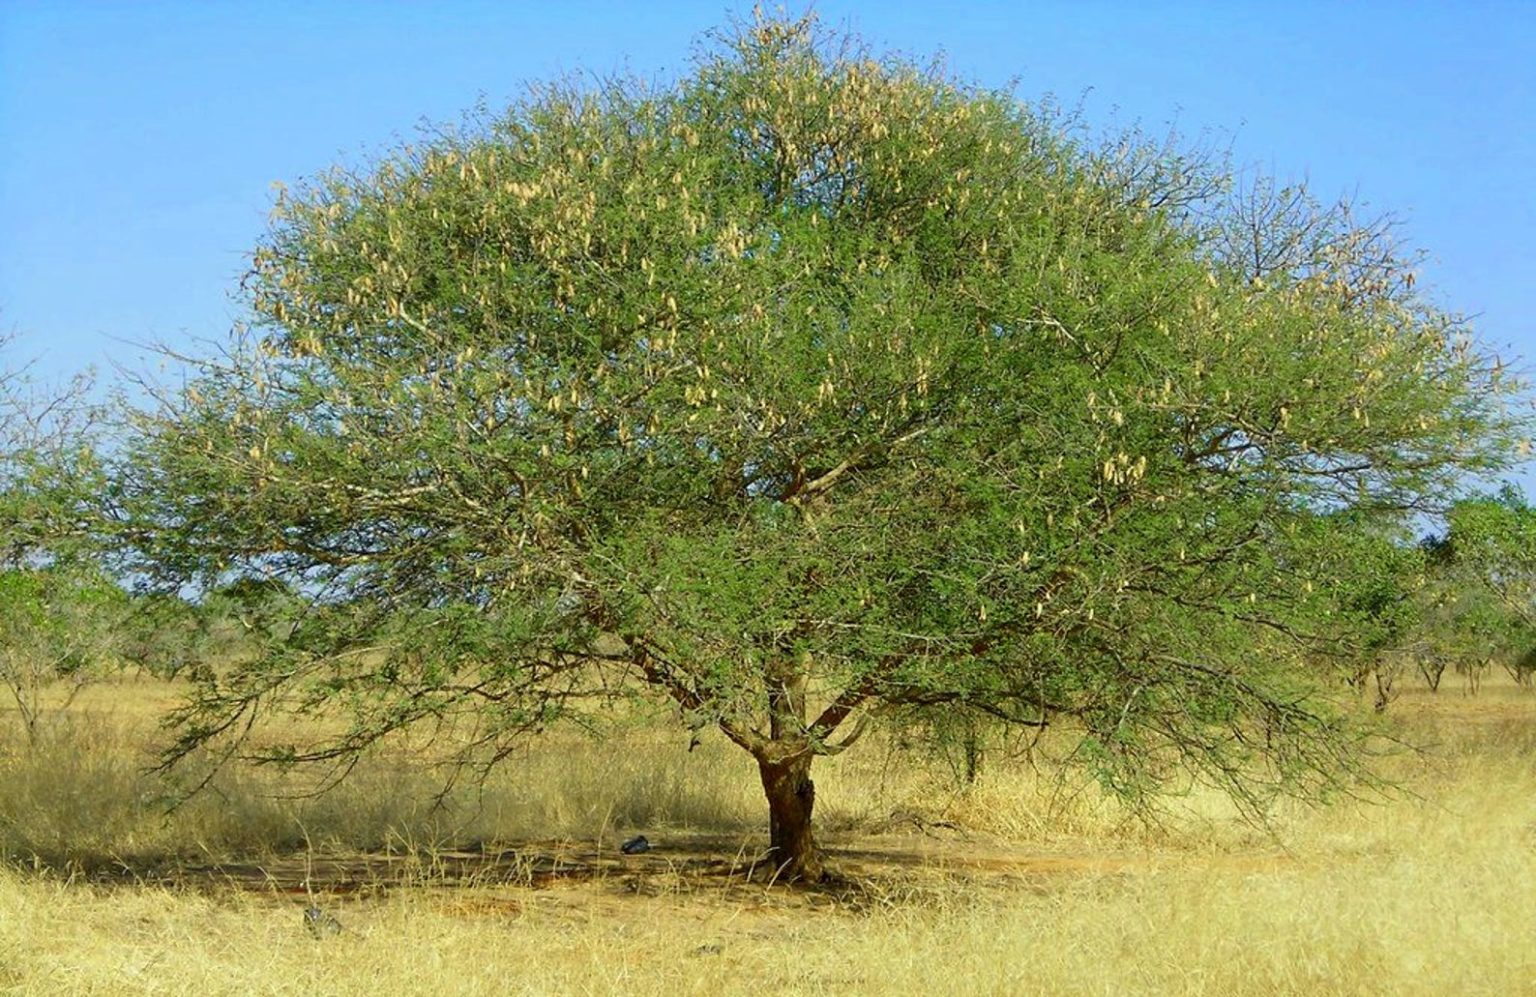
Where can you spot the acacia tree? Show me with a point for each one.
(813, 383)
(59, 610)
(1374, 596)
(1483, 591)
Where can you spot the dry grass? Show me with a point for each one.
(1431, 894)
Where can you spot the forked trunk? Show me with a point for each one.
(791, 798)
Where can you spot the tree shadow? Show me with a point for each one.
(864, 873)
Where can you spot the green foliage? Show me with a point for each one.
(1374, 576)
(169, 637)
(1481, 598)
(1494, 537)
(815, 384)
(51, 607)
(59, 630)
(51, 476)
(58, 609)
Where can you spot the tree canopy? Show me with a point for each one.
(1482, 591)
(49, 471)
(59, 607)
(812, 383)
(1494, 536)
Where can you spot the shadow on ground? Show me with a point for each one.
(868, 870)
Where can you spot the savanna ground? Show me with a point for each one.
(1017, 884)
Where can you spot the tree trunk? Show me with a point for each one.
(791, 797)
(973, 753)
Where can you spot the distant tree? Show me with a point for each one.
(167, 636)
(59, 631)
(49, 470)
(1374, 578)
(1495, 536)
(813, 384)
(59, 609)
(1483, 592)
(1524, 668)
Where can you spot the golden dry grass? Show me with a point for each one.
(1433, 893)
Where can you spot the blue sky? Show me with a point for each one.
(139, 140)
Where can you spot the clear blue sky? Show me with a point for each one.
(139, 140)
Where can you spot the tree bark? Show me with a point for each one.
(791, 798)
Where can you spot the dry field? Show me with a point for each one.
(516, 887)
